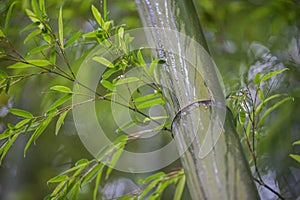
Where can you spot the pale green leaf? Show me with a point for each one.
(21, 113)
(146, 97)
(150, 103)
(127, 80)
(58, 179)
(60, 121)
(19, 65)
(40, 63)
(257, 79)
(31, 16)
(179, 188)
(271, 74)
(103, 61)
(297, 142)
(61, 28)
(108, 85)
(22, 122)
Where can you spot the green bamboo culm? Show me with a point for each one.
(210, 149)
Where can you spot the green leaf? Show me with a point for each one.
(150, 103)
(8, 14)
(38, 49)
(97, 16)
(61, 28)
(7, 86)
(295, 157)
(90, 175)
(20, 113)
(31, 35)
(127, 80)
(59, 187)
(38, 131)
(1, 34)
(52, 57)
(121, 33)
(179, 188)
(114, 161)
(125, 126)
(73, 39)
(109, 72)
(6, 146)
(108, 85)
(59, 102)
(297, 142)
(40, 63)
(31, 16)
(271, 74)
(242, 116)
(146, 97)
(276, 105)
(103, 61)
(75, 190)
(60, 121)
(153, 177)
(62, 89)
(22, 122)
(7, 133)
(58, 179)
(30, 26)
(261, 94)
(3, 74)
(97, 182)
(42, 6)
(35, 8)
(257, 79)
(19, 65)
(262, 105)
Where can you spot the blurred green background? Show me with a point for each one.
(244, 37)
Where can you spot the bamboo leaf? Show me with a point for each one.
(297, 142)
(97, 182)
(31, 35)
(125, 126)
(61, 28)
(146, 97)
(295, 157)
(179, 188)
(92, 173)
(61, 88)
(40, 63)
(109, 72)
(127, 80)
(38, 49)
(97, 16)
(114, 160)
(32, 16)
(6, 146)
(257, 79)
(42, 6)
(73, 39)
(23, 122)
(108, 85)
(58, 179)
(267, 113)
(150, 103)
(153, 177)
(19, 65)
(35, 8)
(60, 121)
(103, 61)
(271, 74)
(59, 102)
(20, 113)
(8, 14)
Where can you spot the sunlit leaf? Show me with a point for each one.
(97, 16)
(296, 143)
(92, 173)
(35, 8)
(61, 88)
(40, 63)
(31, 16)
(295, 157)
(153, 177)
(20, 113)
(146, 97)
(22, 122)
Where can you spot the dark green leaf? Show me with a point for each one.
(21, 113)
(7, 86)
